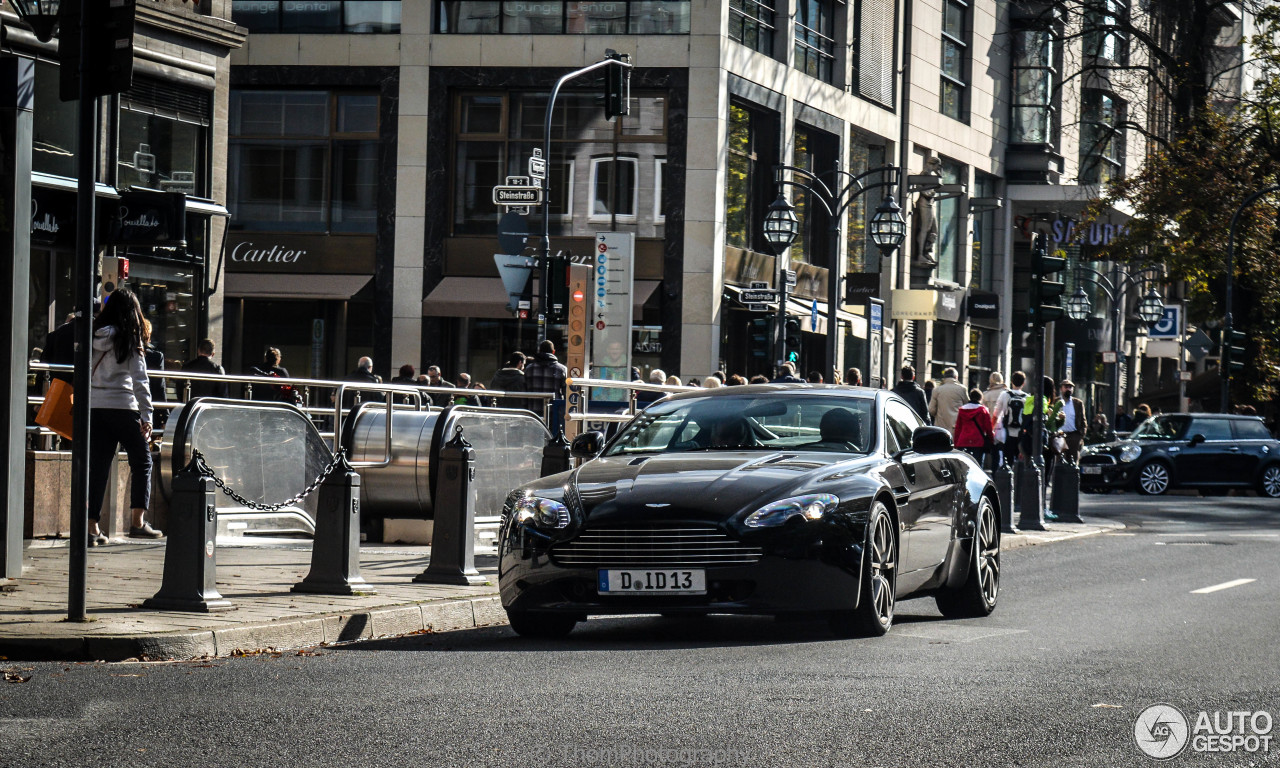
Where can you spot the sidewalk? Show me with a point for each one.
(256, 579)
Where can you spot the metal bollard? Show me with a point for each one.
(1004, 482)
(335, 551)
(190, 564)
(555, 455)
(1030, 498)
(1066, 492)
(453, 547)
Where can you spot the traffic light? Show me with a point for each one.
(1235, 352)
(791, 340)
(110, 48)
(559, 290)
(1046, 292)
(617, 86)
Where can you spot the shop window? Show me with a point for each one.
(324, 17)
(864, 154)
(952, 218)
(955, 60)
(553, 17)
(985, 235)
(53, 126)
(816, 151)
(615, 162)
(751, 22)
(304, 161)
(753, 152)
(160, 153)
(815, 38)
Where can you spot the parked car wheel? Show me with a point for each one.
(874, 615)
(548, 626)
(1153, 478)
(1269, 482)
(977, 596)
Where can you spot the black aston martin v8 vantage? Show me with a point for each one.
(763, 499)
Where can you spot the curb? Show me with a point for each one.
(311, 631)
(1021, 539)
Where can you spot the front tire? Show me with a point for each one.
(1153, 478)
(1269, 482)
(977, 596)
(546, 626)
(874, 615)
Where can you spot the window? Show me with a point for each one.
(659, 188)
(877, 36)
(955, 60)
(613, 187)
(554, 17)
(620, 164)
(748, 188)
(900, 423)
(304, 161)
(53, 126)
(751, 22)
(161, 138)
(864, 154)
(952, 219)
(816, 151)
(815, 38)
(1104, 36)
(1248, 429)
(1033, 85)
(1212, 429)
(1101, 140)
(328, 17)
(984, 235)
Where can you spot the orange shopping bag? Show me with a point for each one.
(55, 413)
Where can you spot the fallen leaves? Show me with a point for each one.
(13, 676)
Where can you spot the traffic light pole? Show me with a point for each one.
(85, 269)
(544, 293)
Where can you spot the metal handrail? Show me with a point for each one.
(632, 386)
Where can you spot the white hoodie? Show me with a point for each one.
(124, 385)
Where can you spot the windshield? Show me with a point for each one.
(1161, 428)
(762, 422)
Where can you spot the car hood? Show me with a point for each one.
(704, 485)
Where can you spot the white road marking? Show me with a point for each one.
(1121, 534)
(1224, 585)
(1256, 535)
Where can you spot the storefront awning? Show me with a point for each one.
(281, 285)
(71, 185)
(486, 297)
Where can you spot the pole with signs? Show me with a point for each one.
(875, 341)
(612, 286)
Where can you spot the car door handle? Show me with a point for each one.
(1234, 449)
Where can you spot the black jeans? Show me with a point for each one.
(110, 428)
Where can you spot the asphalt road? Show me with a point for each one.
(1088, 634)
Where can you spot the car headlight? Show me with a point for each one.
(542, 513)
(811, 507)
(1130, 451)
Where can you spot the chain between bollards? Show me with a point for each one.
(197, 459)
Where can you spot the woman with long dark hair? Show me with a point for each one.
(120, 414)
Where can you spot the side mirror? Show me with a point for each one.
(1197, 439)
(587, 445)
(931, 440)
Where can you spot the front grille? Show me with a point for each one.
(678, 545)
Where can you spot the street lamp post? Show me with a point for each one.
(887, 228)
(1224, 370)
(1150, 310)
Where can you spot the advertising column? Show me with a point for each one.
(611, 320)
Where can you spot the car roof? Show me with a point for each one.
(827, 390)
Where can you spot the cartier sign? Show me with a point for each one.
(300, 254)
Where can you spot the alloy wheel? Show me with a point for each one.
(988, 553)
(1271, 481)
(1154, 478)
(882, 567)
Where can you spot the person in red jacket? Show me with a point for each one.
(973, 433)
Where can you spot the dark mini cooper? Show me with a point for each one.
(766, 499)
(1211, 452)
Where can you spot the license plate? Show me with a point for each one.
(1090, 470)
(673, 582)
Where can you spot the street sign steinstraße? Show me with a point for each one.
(759, 296)
(512, 195)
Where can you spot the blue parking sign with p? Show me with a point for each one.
(1169, 325)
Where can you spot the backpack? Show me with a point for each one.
(1013, 414)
